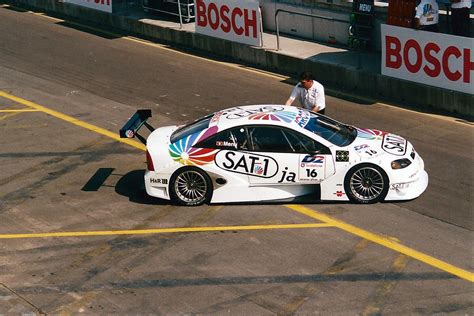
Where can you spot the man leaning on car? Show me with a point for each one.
(310, 93)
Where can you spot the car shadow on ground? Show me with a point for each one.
(131, 185)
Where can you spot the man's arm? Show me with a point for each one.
(293, 96)
(289, 101)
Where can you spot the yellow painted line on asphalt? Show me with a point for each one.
(163, 231)
(383, 241)
(18, 111)
(73, 120)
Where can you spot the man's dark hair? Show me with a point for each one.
(306, 75)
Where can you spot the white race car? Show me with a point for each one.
(276, 153)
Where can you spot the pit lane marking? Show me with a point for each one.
(412, 253)
(163, 231)
(378, 239)
(18, 111)
(73, 120)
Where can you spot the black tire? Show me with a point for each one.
(366, 184)
(190, 186)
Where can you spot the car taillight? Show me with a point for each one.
(149, 162)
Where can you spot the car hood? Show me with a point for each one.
(371, 143)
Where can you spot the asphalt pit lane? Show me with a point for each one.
(123, 244)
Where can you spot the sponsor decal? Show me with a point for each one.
(311, 167)
(287, 176)
(216, 118)
(399, 186)
(312, 161)
(158, 181)
(413, 175)
(284, 116)
(364, 149)
(183, 152)
(129, 133)
(394, 144)
(238, 113)
(226, 144)
(371, 134)
(360, 147)
(247, 163)
(339, 193)
(302, 118)
(342, 155)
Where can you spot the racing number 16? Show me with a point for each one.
(311, 173)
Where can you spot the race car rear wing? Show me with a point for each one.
(133, 125)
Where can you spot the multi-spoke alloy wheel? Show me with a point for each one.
(191, 186)
(366, 184)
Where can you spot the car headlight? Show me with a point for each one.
(400, 163)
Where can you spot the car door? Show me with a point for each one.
(297, 158)
(229, 158)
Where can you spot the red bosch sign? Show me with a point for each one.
(441, 60)
(101, 5)
(237, 21)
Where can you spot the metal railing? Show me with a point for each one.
(327, 18)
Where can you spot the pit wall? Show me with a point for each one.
(340, 77)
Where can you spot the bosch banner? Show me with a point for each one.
(435, 59)
(237, 21)
(102, 5)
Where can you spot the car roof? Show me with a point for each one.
(263, 114)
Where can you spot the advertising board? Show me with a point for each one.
(237, 21)
(102, 5)
(435, 59)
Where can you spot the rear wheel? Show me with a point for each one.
(190, 186)
(366, 183)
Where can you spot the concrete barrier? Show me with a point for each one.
(338, 76)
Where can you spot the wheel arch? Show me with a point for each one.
(181, 169)
(362, 165)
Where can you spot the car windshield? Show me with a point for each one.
(332, 131)
(190, 129)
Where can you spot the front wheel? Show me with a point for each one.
(366, 184)
(191, 187)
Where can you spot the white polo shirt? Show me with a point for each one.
(461, 4)
(427, 12)
(314, 96)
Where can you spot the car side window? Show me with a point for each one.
(276, 139)
(303, 144)
(268, 138)
(232, 139)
